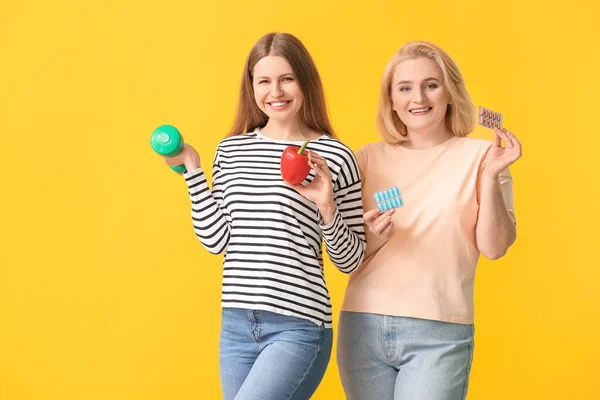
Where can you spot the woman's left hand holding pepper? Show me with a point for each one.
(320, 190)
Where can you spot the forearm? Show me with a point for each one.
(495, 231)
(344, 233)
(210, 222)
(345, 246)
(327, 212)
(191, 164)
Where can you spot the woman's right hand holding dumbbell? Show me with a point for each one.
(188, 156)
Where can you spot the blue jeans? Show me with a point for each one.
(268, 356)
(383, 357)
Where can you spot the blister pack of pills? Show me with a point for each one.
(388, 199)
(489, 119)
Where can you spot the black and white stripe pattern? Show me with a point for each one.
(270, 234)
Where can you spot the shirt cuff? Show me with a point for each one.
(192, 174)
(328, 229)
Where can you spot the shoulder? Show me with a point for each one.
(333, 143)
(334, 150)
(232, 143)
(370, 148)
(237, 140)
(468, 147)
(473, 144)
(374, 151)
(469, 151)
(340, 159)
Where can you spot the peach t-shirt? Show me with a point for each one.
(427, 268)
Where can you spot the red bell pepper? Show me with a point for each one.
(294, 164)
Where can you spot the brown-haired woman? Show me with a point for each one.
(276, 332)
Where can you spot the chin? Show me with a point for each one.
(425, 125)
(277, 118)
(419, 127)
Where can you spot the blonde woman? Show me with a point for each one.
(406, 327)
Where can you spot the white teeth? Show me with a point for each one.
(279, 104)
(420, 110)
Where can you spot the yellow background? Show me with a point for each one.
(105, 293)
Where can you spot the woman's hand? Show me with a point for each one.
(380, 224)
(188, 156)
(320, 190)
(499, 158)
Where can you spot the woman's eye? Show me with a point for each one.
(404, 89)
(431, 86)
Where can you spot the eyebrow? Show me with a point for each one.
(280, 76)
(424, 80)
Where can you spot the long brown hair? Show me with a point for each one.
(313, 113)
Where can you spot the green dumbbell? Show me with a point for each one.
(168, 142)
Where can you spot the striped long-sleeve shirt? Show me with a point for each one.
(270, 234)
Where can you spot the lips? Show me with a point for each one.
(279, 104)
(420, 111)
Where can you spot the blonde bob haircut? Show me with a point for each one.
(460, 113)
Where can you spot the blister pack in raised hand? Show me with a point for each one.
(489, 119)
(388, 199)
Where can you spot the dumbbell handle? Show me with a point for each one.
(168, 142)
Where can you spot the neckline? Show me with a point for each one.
(295, 142)
(445, 143)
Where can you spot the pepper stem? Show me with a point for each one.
(301, 150)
